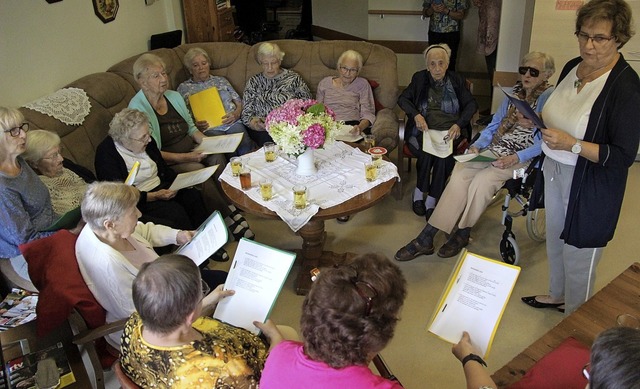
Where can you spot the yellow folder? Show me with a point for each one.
(207, 105)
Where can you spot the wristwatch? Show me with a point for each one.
(577, 148)
(473, 357)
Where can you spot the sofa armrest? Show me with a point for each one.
(385, 129)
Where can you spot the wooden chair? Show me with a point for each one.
(123, 379)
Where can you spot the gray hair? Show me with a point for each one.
(166, 291)
(10, 117)
(104, 201)
(350, 54)
(618, 12)
(124, 122)
(442, 46)
(615, 357)
(547, 60)
(192, 54)
(267, 49)
(143, 63)
(39, 142)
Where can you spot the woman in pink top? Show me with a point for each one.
(347, 318)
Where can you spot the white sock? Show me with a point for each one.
(417, 195)
(431, 202)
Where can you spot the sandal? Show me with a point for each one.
(413, 250)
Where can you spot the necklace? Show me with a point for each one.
(578, 83)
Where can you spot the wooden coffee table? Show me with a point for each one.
(312, 253)
(594, 316)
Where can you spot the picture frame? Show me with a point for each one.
(53, 1)
(106, 10)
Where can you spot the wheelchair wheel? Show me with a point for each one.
(536, 225)
(509, 250)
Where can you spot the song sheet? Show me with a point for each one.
(219, 144)
(257, 274)
(188, 179)
(437, 143)
(209, 237)
(474, 300)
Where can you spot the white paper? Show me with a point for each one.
(209, 237)
(219, 144)
(476, 298)
(257, 274)
(185, 180)
(344, 134)
(484, 156)
(434, 143)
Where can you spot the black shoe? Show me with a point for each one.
(419, 208)
(220, 256)
(533, 302)
(343, 219)
(428, 214)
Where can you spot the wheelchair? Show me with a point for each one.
(520, 189)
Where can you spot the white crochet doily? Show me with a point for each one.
(69, 105)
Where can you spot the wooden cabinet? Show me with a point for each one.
(205, 22)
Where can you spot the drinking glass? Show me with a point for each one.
(369, 141)
(270, 151)
(266, 189)
(370, 171)
(245, 178)
(236, 166)
(300, 196)
(628, 320)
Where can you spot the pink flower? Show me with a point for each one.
(313, 136)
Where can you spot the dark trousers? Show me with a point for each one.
(452, 39)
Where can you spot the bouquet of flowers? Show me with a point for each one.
(299, 124)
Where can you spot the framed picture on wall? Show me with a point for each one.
(53, 1)
(106, 10)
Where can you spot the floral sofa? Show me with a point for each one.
(110, 91)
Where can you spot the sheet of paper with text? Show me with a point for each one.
(475, 298)
(257, 274)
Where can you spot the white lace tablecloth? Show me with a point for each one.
(340, 177)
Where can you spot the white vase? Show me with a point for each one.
(306, 163)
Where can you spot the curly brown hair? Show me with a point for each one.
(339, 325)
(618, 12)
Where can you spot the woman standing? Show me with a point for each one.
(268, 90)
(436, 99)
(590, 143)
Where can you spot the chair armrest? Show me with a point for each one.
(385, 129)
(87, 335)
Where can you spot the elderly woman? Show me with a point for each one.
(347, 318)
(198, 62)
(436, 99)
(590, 142)
(268, 90)
(348, 95)
(513, 139)
(171, 342)
(129, 141)
(113, 246)
(66, 187)
(171, 125)
(25, 204)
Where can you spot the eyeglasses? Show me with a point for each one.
(586, 370)
(144, 139)
(349, 70)
(367, 293)
(55, 155)
(205, 288)
(597, 40)
(532, 71)
(15, 131)
(270, 64)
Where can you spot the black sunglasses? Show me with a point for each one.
(533, 71)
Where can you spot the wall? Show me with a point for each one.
(45, 46)
(352, 18)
